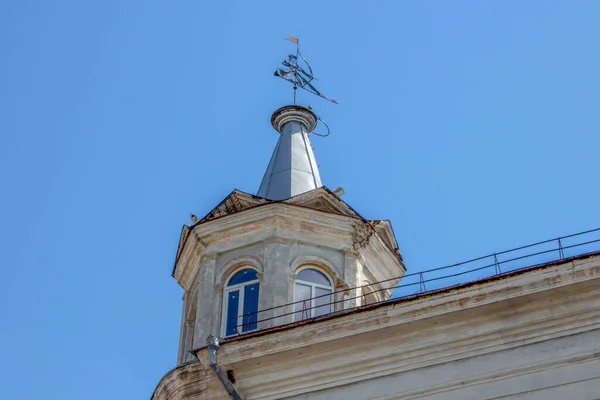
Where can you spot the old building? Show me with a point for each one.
(288, 294)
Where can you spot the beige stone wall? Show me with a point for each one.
(531, 335)
(276, 239)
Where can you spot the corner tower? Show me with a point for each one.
(296, 251)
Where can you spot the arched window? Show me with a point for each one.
(311, 290)
(369, 296)
(240, 302)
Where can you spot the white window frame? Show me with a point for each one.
(239, 287)
(313, 287)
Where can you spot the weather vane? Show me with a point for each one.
(297, 75)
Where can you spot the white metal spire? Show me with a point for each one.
(293, 169)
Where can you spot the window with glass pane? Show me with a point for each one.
(240, 302)
(312, 294)
(302, 302)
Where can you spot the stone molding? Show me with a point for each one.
(307, 260)
(361, 234)
(500, 316)
(224, 271)
(286, 223)
(401, 337)
(298, 114)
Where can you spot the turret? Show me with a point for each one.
(293, 252)
(293, 169)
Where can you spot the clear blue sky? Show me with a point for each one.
(472, 126)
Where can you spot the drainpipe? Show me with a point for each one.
(213, 346)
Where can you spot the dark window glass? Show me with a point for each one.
(242, 276)
(250, 307)
(232, 312)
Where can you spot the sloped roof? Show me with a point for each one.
(321, 199)
(292, 169)
(235, 202)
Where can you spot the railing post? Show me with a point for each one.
(497, 265)
(248, 326)
(305, 313)
(421, 283)
(280, 315)
(561, 253)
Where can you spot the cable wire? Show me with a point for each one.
(326, 126)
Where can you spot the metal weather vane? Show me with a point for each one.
(296, 74)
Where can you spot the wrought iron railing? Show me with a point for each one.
(427, 281)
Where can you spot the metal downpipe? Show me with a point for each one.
(213, 346)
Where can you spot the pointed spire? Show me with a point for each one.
(293, 169)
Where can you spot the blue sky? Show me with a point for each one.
(472, 126)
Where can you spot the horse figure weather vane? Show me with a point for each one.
(297, 75)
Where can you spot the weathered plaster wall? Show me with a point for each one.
(532, 335)
(562, 368)
(276, 239)
(276, 260)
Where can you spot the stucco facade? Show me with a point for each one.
(276, 239)
(531, 334)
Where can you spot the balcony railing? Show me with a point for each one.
(426, 281)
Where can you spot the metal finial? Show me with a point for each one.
(297, 75)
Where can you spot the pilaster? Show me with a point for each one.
(353, 279)
(208, 305)
(275, 283)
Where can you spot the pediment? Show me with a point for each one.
(323, 199)
(235, 202)
(385, 231)
(320, 199)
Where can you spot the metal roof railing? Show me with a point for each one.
(424, 281)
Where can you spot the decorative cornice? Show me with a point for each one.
(442, 302)
(500, 317)
(426, 331)
(361, 234)
(393, 357)
(296, 114)
(185, 378)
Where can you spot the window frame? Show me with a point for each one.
(313, 286)
(369, 289)
(240, 288)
